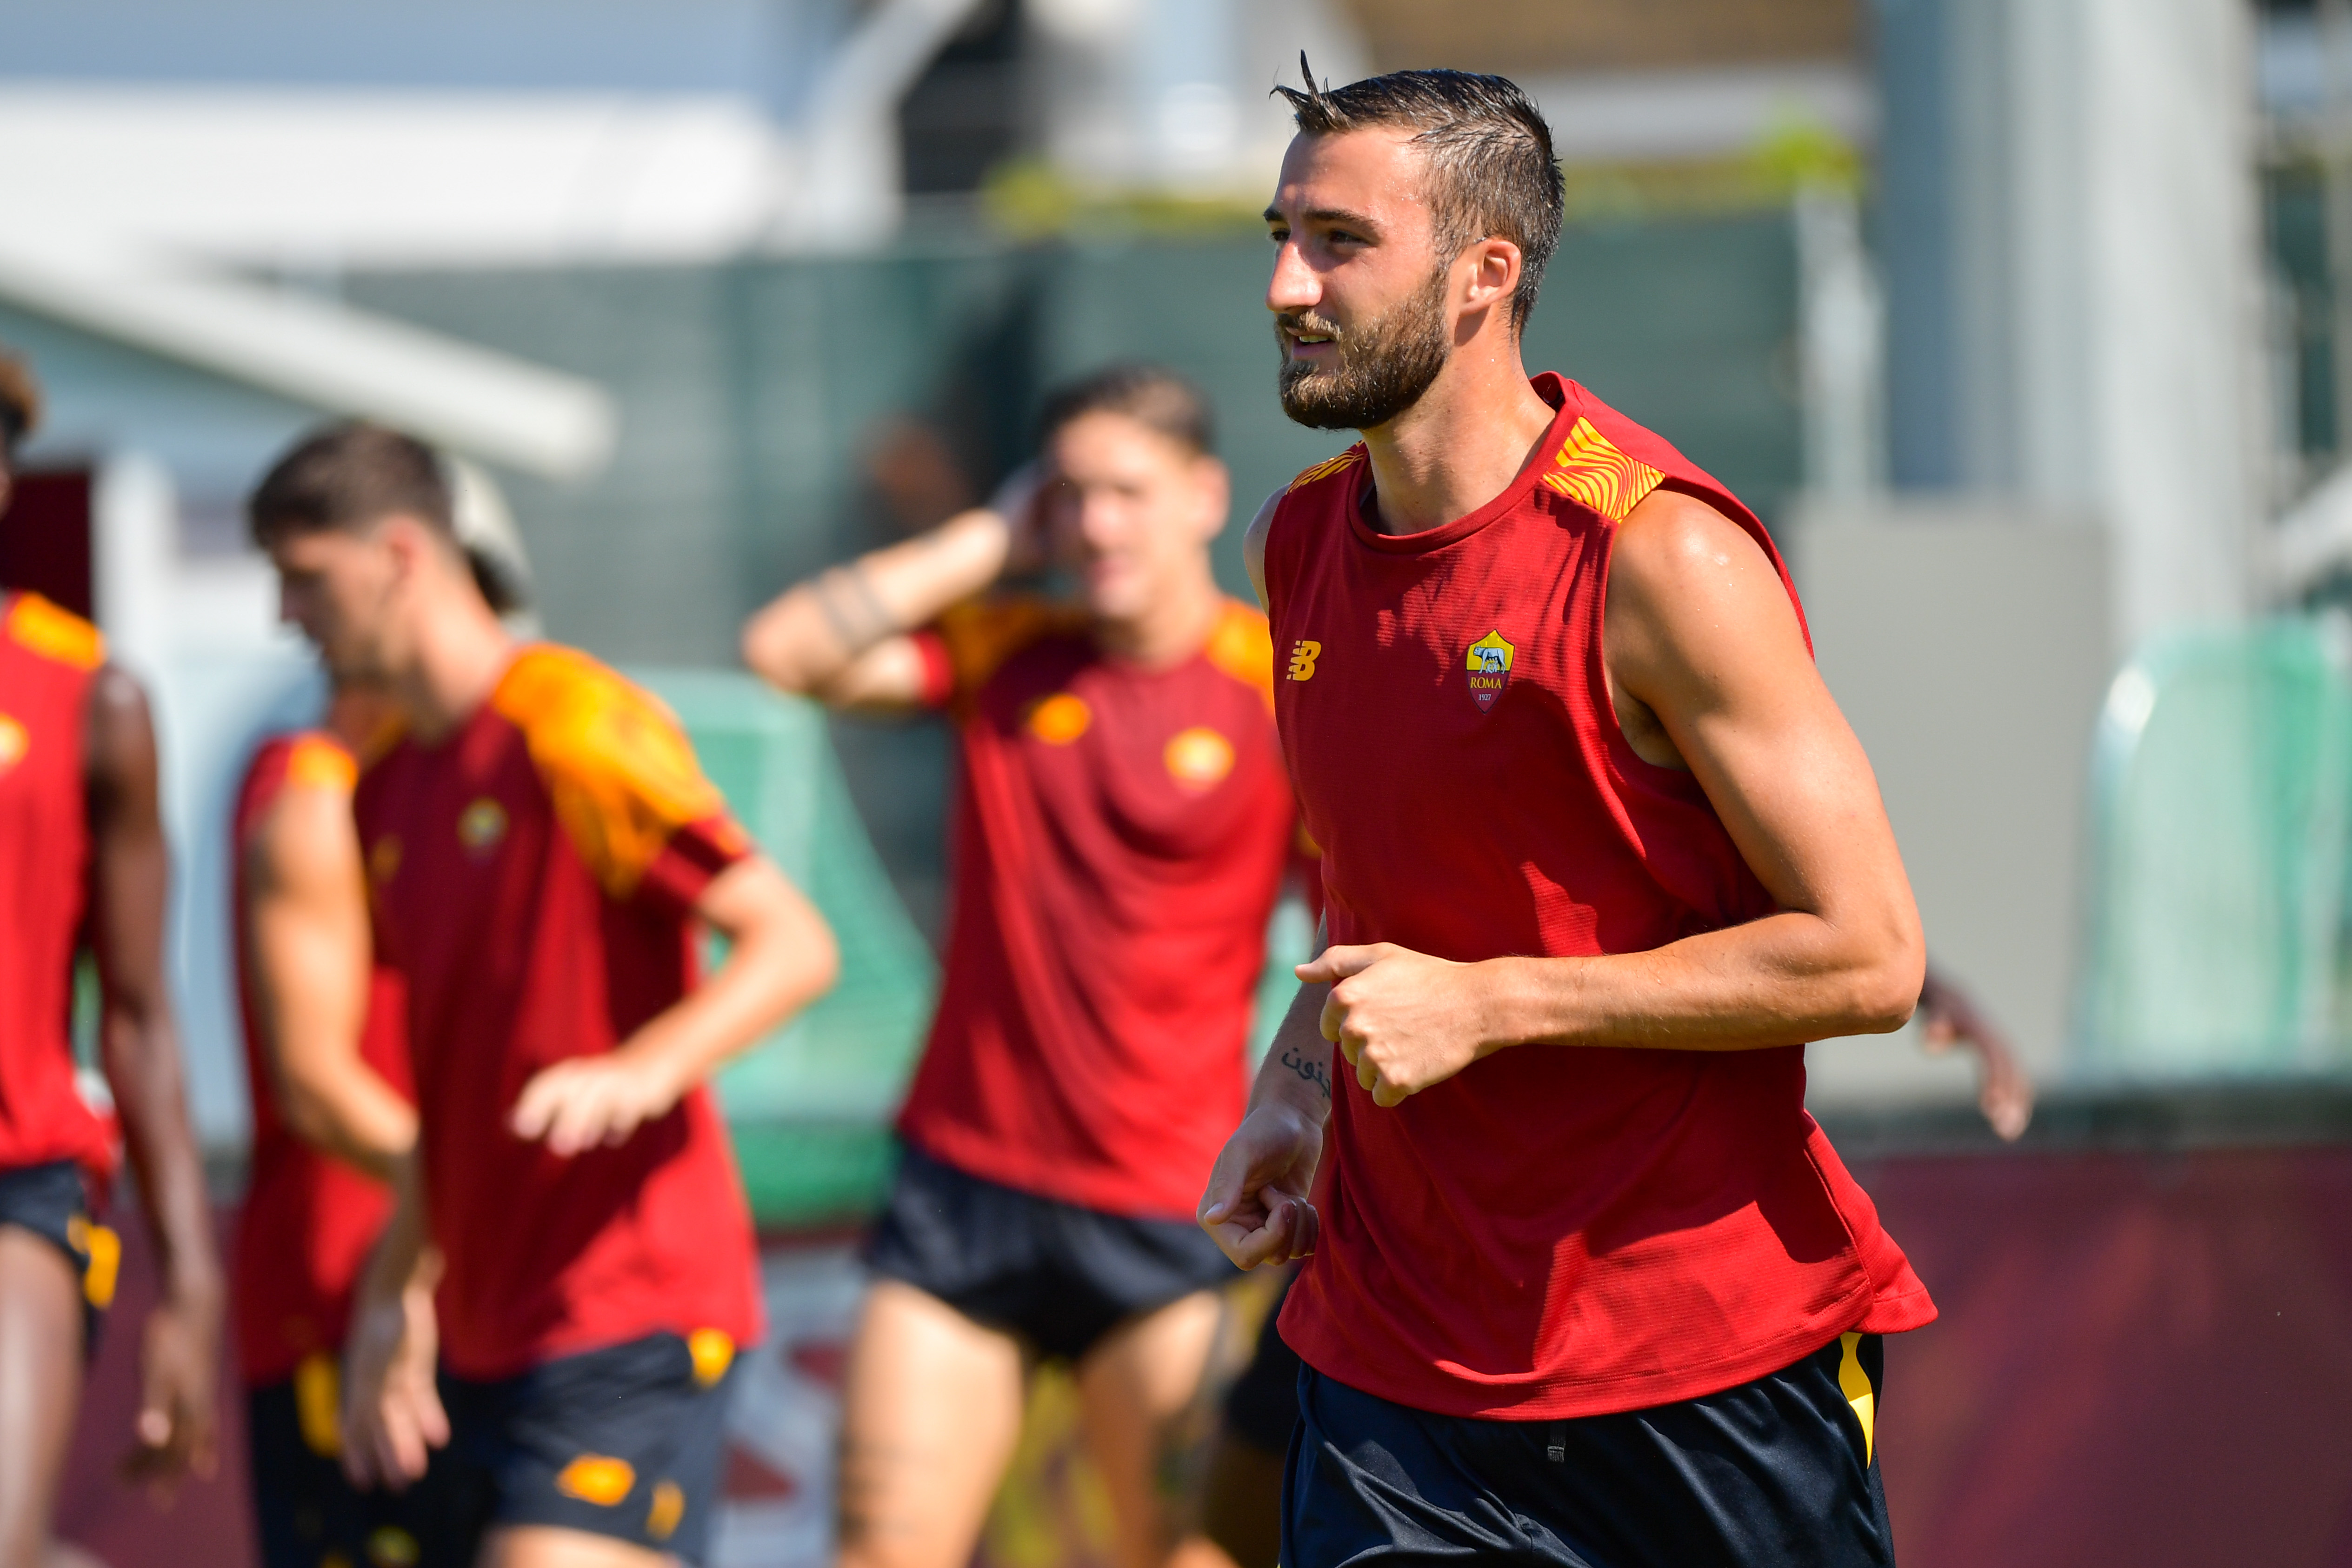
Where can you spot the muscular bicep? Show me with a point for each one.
(307, 935)
(1254, 546)
(1702, 637)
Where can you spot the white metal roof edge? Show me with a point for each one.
(476, 400)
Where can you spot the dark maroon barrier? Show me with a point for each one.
(2145, 1356)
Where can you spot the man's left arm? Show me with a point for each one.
(781, 957)
(130, 875)
(1709, 671)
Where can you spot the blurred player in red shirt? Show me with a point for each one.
(83, 861)
(333, 1117)
(1584, 1282)
(541, 847)
(1121, 832)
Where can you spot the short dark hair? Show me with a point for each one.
(1157, 398)
(20, 400)
(1492, 172)
(347, 476)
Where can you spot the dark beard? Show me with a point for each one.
(1384, 369)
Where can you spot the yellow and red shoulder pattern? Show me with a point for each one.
(59, 635)
(315, 760)
(1328, 466)
(1243, 648)
(1591, 469)
(980, 634)
(617, 765)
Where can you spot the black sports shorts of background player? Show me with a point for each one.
(52, 1201)
(1056, 1275)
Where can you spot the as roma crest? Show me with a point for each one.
(1490, 670)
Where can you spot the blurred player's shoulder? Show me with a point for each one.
(299, 759)
(615, 759)
(980, 634)
(1242, 646)
(58, 635)
(316, 760)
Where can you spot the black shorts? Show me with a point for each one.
(1777, 1473)
(628, 1442)
(1057, 1275)
(1262, 1405)
(52, 1201)
(306, 1513)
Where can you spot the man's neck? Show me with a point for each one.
(461, 651)
(1172, 629)
(1460, 445)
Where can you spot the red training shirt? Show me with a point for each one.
(1120, 836)
(1554, 1232)
(48, 658)
(533, 878)
(309, 1220)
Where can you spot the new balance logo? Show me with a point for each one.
(1302, 655)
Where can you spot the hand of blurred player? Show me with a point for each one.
(1256, 1205)
(1948, 1017)
(579, 1104)
(178, 1423)
(1018, 500)
(1404, 1020)
(392, 1414)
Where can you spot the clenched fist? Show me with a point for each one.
(1404, 1020)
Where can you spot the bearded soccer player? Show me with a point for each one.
(1121, 834)
(541, 847)
(1585, 1283)
(83, 859)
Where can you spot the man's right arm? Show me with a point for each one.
(306, 930)
(1257, 1206)
(841, 636)
(392, 1414)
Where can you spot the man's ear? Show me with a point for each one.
(415, 546)
(1495, 269)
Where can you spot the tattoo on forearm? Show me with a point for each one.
(1313, 1071)
(852, 608)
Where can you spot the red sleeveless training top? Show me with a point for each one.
(1554, 1232)
(309, 1220)
(48, 658)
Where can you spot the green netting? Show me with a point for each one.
(2222, 785)
(810, 1106)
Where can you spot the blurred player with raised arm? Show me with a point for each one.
(541, 847)
(1585, 1283)
(1121, 832)
(83, 861)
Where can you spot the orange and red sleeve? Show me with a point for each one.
(623, 778)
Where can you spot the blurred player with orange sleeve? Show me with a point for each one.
(541, 847)
(333, 1117)
(1122, 831)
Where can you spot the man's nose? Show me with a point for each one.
(1294, 286)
